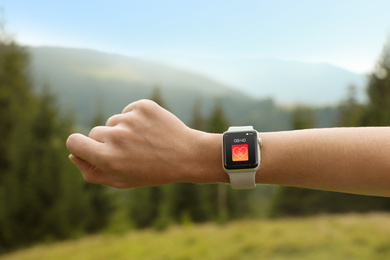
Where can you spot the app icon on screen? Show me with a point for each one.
(240, 152)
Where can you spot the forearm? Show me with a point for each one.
(353, 160)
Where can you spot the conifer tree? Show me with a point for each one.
(16, 106)
(303, 118)
(15, 98)
(350, 110)
(157, 97)
(377, 112)
(42, 196)
(197, 121)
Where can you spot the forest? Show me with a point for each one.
(44, 198)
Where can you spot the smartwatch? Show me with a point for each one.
(241, 156)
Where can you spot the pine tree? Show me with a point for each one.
(217, 121)
(42, 196)
(350, 110)
(302, 118)
(15, 97)
(156, 96)
(377, 112)
(197, 121)
(16, 106)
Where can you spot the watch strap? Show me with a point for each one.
(243, 180)
(240, 128)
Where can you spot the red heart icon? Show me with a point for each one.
(240, 152)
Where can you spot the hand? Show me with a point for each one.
(144, 146)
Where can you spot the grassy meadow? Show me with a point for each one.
(349, 236)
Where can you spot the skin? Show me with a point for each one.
(146, 145)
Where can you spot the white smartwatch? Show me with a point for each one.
(241, 156)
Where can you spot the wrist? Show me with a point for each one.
(206, 154)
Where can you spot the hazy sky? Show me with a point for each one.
(346, 33)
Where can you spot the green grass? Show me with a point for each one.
(324, 237)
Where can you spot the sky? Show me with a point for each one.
(346, 33)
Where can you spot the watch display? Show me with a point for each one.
(240, 150)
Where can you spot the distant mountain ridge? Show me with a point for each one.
(105, 66)
(287, 82)
(86, 81)
(299, 82)
(80, 77)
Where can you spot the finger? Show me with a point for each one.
(140, 104)
(85, 148)
(99, 133)
(93, 174)
(115, 120)
(130, 107)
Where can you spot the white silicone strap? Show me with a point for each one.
(240, 128)
(244, 179)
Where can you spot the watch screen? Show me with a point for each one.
(240, 150)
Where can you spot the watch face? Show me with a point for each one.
(240, 150)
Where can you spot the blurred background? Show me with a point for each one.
(276, 65)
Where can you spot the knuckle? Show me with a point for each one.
(115, 120)
(142, 105)
(111, 121)
(145, 105)
(117, 134)
(95, 132)
(144, 102)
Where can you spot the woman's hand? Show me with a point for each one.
(144, 146)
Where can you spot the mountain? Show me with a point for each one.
(81, 77)
(287, 82)
(87, 81)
